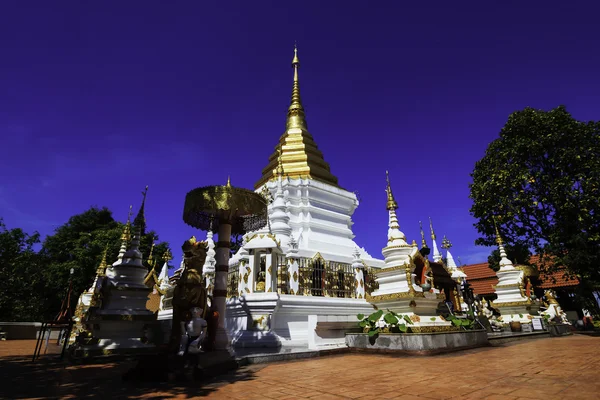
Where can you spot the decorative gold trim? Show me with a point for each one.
(393, 296)
(511, 304)
(509, 285)
(434, 329)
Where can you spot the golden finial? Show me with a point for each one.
(103, 265)
(423, 242)
(266, 194)
(126, 236)
(228, 181)
(446, 244)
(150, 260)
(391, 203)
(498, 237)
(279, 170)
(295, 61)
(140, 219)
(167, 256)
(431, 227)
(295, 117)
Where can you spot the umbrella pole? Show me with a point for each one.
(220, 290)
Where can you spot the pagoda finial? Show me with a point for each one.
(140, 219)
(391, 202)
(423, 242)
(431, 228)
(446, 244)
(295, 117)
(167, 256)
(150, 261)
(126, 236)
(498, 237)
(279, 170)
(228, 181)
(103, 265)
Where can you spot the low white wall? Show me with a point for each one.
(25, 330)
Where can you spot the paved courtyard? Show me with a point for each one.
(549, 368)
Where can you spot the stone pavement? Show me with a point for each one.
(548, 368)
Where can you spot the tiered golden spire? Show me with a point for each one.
(423, 242)
(279, 170)
(101, 271)
(498, 237)
(446, 244)
(431, 228)
(300, 156)
(391, 202)
(140, 219)
(167, 256)
(126, 236)
(150, 260)
(228, 181)
(296, 117)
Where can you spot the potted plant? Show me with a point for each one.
(515, 326)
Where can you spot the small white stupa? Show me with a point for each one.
(512, 302)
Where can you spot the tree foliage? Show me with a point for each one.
(541, 181)
(21, 281)
(44, 276)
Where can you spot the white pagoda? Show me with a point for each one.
(302, 274)
(512, 301)
(405, 265)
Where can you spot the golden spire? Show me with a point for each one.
(498, 237)
(423, 242)
(391, 203)
(296, 117)
(126, 236)
(103, 265)
(300, 156)
(167, 256)
(140, 219)
(446, 244)
(150, 261)
(228, 181)
(279, 170)
(431, 227)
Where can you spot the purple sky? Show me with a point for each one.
(99, 99)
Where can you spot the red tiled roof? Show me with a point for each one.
(482, 278)
(555, 279)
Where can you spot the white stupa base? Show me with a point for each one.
(275, 320)
(522, 313)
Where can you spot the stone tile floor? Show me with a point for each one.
(549, 368)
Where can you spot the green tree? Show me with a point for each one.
(541, 181)
(21, 283)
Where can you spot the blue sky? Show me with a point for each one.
(99, 99)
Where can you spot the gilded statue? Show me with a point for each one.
(190, 291)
